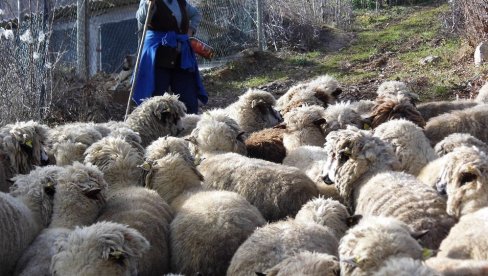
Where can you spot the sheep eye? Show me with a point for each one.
(343, 157)
(466, 178)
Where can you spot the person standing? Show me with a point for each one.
(167, 60)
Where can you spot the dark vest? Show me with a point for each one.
(162, 18)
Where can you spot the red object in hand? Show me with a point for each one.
(202, 48)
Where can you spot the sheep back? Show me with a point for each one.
(433, 109)
(267, 144)
(276, 190)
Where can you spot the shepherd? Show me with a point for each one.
(167, 62)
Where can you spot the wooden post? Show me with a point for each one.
(82, 39)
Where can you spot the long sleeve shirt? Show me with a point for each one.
(193, 13)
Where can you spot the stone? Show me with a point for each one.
(481, 53)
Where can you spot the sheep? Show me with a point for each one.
(455, 267)
(69, 142)
(165, 145)
(271, 244)
(340, 115)
(472, 120)
(482, 96)
(267, 144)
(433, 109)
(363, 107)
(410, 145)
(366, 246)
(130, 136)
(430, 173)
(404, 266)
(304, 126)
(306, 263)
(104, 248)
(216, 133)
(387, 108)
(455, 140)
(362, 168)
(23, 145)
(322, 90)
(467, 239)
(189, 122)
(276, 190)
(24, 213)
(156, 117)
(254, 111)
(311, 160)
(464, 179)
(395, 89)
(77, 201)
(130, 204)
(218, 221)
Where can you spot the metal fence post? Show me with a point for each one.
(20, 11)
(81, 39)
(259, 9)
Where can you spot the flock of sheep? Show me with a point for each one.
(301, 185)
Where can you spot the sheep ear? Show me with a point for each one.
(133, 244)
(337, 92)
(419, 234)
(147, 166)
(49, 188)
(159, 112)
(280, 126)
(319, 122)
(352, 261)
(353, 220)
(192, 140)
(241, 136)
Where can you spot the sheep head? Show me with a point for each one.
(340, 115)
(173, 175)
(37, 190)
(306, 126)
(395, 89)
(455, 140)
(165, 145)
(70, 142)
(104, 248)
(367, 245)
(326, 89)
(352, 153)
(465, 181)
(79, 197)
(386, 109)
(118, 160)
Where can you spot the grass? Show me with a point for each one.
(387, 45)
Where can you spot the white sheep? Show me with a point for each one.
(361, 166)
(322, 91)
(410, 145)
(455, 267)
(456, 140)
(366, 246)
(23, 145)
(467, 239)
(189, 122)
(313, 231)
(306, 263)
(395, 89)
(430, 173)
(305, 125)
(472, 120)
(405, 266)
(254, 110)
(130, 204)
(464, 178)
(311, 160)
(156, 117)
(218, 221)
(24, 213)
(340, 115)
(482, 96)
(104, 248)
(363, 107)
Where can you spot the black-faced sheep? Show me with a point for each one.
(304, 126)
(156, 117)
(254, 111)
(218, 221)
(456, 140)
(360, 165)
(410, 145)
(472, 120)
(321, 91)
(130, 204)
(23, 145)
(24, 213)
(464, 178)
(104, 248)
(433, 109)
(314, 231)
(467, 239)
(366, 247)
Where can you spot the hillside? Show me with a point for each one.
(388, 45)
